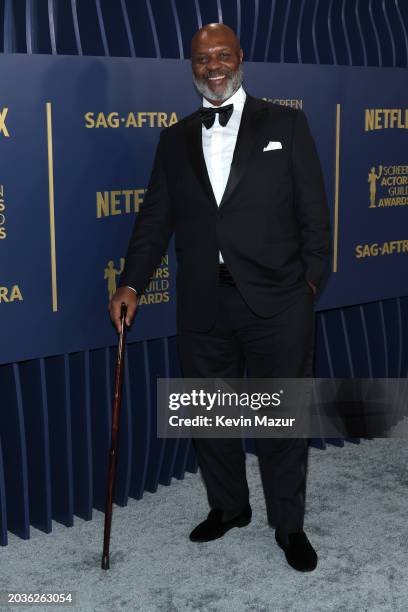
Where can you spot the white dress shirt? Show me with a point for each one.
(219, 144)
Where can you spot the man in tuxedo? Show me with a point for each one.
(239, 183)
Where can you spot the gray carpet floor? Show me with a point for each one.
(356, 518)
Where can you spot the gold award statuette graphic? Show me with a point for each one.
(110, 275)
(388, 186)
(372, 181)
(156, 292)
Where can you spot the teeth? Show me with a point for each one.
(216, 78)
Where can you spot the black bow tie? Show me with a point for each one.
(207, 115)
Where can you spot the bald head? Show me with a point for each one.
(212, 32)
(216, 58)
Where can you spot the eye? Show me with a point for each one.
(200, 60)
(224, 55)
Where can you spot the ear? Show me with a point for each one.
(241, 56)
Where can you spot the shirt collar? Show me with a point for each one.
(238, 100)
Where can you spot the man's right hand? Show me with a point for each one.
(123, 295)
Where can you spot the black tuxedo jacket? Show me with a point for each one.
(272, 225)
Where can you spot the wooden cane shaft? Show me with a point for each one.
(112, 464)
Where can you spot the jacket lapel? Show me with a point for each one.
(246, 139)
(195, 146)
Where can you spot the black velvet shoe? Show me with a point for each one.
(299, 552)
(214, 527)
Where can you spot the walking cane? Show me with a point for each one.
(117, 399)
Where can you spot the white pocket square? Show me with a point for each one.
(273, 144)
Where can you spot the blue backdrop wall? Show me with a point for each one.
(55, 411)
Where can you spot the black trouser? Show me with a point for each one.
(280, 346)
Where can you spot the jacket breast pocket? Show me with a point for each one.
(273, 158)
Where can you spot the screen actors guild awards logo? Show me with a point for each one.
(110, 275)
(157, 290)
(388, 186)
(372, 181)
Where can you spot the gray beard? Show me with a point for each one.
(233, 84)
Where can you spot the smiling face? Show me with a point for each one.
(216, 60)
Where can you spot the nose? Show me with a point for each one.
(213, 64)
